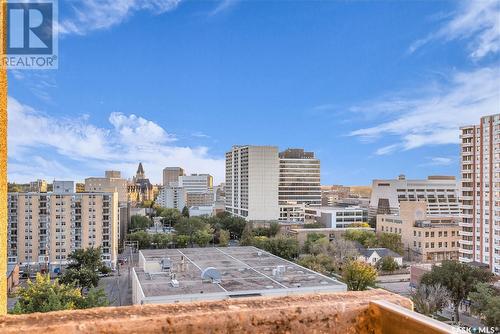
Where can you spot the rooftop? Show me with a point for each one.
(244, 271)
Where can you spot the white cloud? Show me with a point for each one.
(89, 15)
(477, 21)
(129, 140)
(223, 6)
(438, 161)
(434, 118)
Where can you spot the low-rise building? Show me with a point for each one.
(172, 197)
(373, 255)
(337, 217)
(428, 238)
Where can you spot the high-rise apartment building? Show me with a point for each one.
(299, 183)
(111, 182)
(199, 189)
(44, 228)
(172, 174)
(172, 197)
(440, 192)
(480, 172)
(252, 179)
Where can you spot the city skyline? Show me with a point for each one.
(370, 93)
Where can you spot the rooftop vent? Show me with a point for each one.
(175, 283)
(211, 274)
(166, 264)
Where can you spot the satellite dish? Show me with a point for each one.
(212, 274)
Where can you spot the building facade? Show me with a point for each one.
(140, 189)
(427, 238)
(44, 228)
(480, 185)
(299, 183)
(252, 179)
(172, 197)
(172, 174)
(111, 182)
(440, 192)
(333, 193)
(337, 217)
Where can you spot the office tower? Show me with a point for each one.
(171, 174)
(111, 182)
(299, 183)
(440, 192)
(172, 197)
(44, 228)
(252, 178)
(426, 238)
(199, 189)
(480, 172)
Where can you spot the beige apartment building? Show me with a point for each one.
(111, 182)
(480, 172)
(252, 178)
(427, 238)
(44, 228)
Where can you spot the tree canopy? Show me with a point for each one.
(459, 279)
(44, 295)
(84, 267)
(138, 222)
(358, 275)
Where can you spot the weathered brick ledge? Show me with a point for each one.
(348, 312)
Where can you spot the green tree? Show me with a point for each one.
(138, 222)
(311, 238)
(196, 228)
(388, 264)
(185, 212)
(182, 240)
(247, 235)
(223, 238)
(143, 239)
(84, 267)
(170, 217)
(391, 241)
(287, 248)
(429, 299)
(486, 304)
(202, 237)
(161, 240)
(44, 295)
(459, 279)
(235, 225)
(321, 263)
(274, 229)
(358, 275)
(365, 238)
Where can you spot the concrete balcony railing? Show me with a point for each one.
(375, 311)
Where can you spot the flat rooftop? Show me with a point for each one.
(245, 271)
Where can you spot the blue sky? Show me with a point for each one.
(374, 88)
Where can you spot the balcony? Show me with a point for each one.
(374, 311)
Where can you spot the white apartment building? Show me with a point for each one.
(172, 197)
(337, 217)
(299, 183)
(252, 179)
(480, 172)
(44, 228)
(440, 192)
(197, 183)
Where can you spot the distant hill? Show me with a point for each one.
(362, 191)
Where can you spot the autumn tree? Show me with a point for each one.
(429, 299)
(358, 275)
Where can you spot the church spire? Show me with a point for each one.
(140, 172)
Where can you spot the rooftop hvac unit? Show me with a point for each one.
(211, 274)
(166, 264)
(175, 283)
